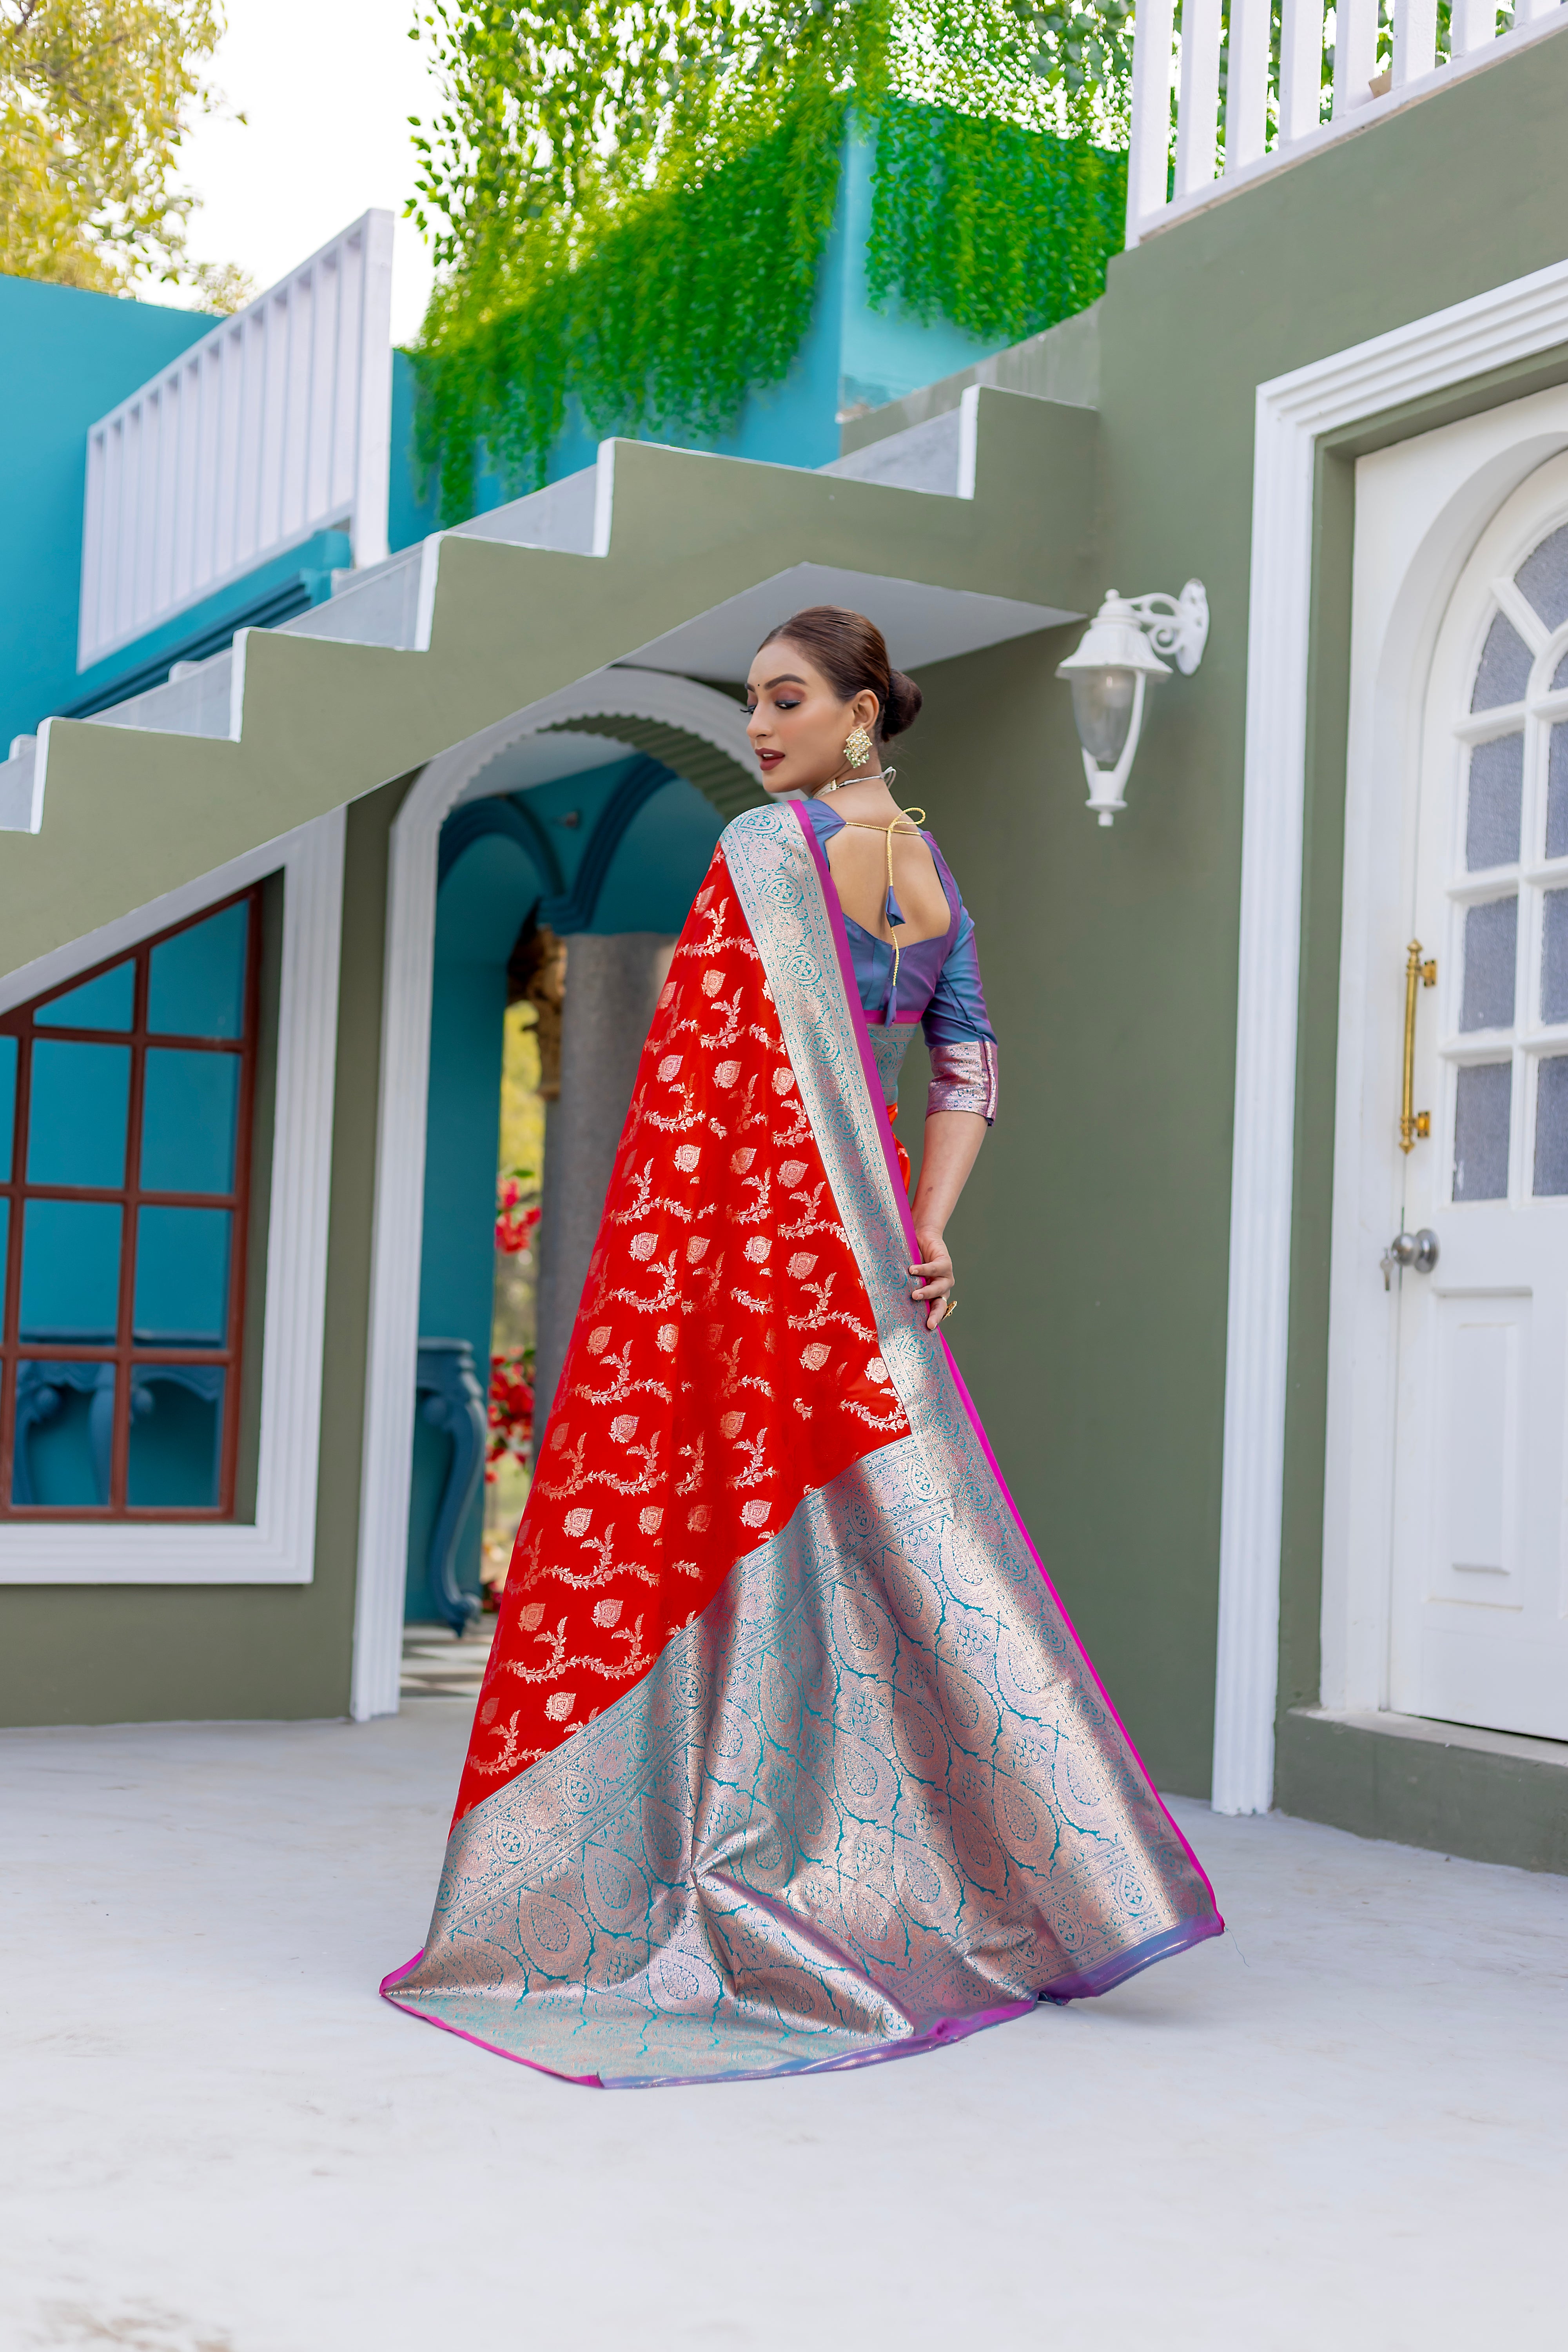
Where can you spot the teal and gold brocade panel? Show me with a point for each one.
(125, 1105)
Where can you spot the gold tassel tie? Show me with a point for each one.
(863, 825)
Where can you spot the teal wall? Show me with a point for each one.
(68, 358)
(411, 499)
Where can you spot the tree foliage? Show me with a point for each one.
(95, 97)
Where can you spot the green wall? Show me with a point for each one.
(112, 1654)
(1094, 1238)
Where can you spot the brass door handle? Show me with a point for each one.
(1414, 1126)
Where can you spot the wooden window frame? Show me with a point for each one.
(126, 1354)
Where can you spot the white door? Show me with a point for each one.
(1479, 1622)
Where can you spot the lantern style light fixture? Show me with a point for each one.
(1108, 674)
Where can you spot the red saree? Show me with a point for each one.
(786, 1757)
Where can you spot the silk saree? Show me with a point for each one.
(786, 1757)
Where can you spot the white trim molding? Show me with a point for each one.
(279, 1547)
(394, 1330)
(1510, 322)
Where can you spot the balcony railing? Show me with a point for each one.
(1272, 109)
(272, 428)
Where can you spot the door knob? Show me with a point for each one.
(1418, 1251)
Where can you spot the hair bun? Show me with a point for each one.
(903, 704)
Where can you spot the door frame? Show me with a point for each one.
(1423, 507)
(1295, 412)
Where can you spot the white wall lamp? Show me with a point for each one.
(1113, 667)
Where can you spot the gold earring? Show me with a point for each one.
(859, 747)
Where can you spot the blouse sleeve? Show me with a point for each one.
(957, 1033)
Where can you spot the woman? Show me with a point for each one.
(787, 1756)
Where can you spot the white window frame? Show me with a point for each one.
(278, 1547)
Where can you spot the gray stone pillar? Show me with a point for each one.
(612, 988)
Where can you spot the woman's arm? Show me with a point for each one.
(952, 1141)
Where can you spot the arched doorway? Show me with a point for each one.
(487, 822)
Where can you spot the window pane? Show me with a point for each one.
(1555, 956)
(189, 1106)
(1481, 1131)
(1557, 792)
(196, 986)
(1560, 674)
(181, 1277)
(64, 1430)
(70, 1270)
(1491, 935)
(176, 1427)
(1551, 1124)
(8, 1104)
(1543, 577)
(75, 1119)
(1504, 671)
(1497, 792)
(106, 1002)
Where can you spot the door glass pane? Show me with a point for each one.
(1560, 674)
(197, 983)
(1491, 936)
(190, 1105)
(1555, 956)
(1551, 1126)
(106, 1002)
(1483, 1096)
(63, 1433)
(70, 1270)
(1497, 793)
(181, 1277)
(176, 1424)
(1557, 791)
(8, 1104)
(75, 1119)
(1504, 671)
(1543, 577)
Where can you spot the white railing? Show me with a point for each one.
(1217, 145)
(274, 427)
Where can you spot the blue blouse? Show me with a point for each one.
(938, 984)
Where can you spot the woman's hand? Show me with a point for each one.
(931, 1277)
(953, 1138)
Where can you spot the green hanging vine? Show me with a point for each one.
(1000, 229)
(687, 302)
(629, 205)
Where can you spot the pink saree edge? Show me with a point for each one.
(884, 1126)
(584, 2082)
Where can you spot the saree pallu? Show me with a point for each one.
(787, 1756)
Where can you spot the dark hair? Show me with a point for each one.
(849, 651)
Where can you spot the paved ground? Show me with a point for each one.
(1345, 2126)
(437, 1665)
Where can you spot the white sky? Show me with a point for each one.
(327, 86)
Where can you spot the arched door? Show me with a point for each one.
(1479, 1619)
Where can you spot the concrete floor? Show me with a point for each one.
(1345, 2126)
